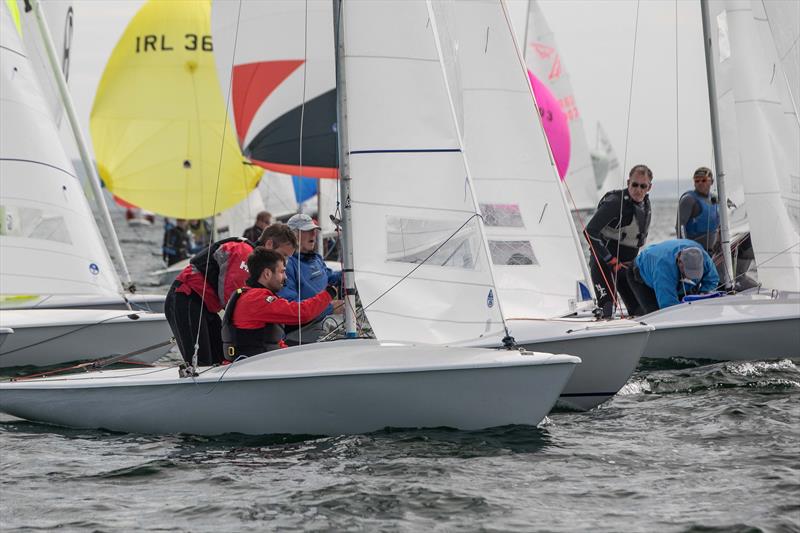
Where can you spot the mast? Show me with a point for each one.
(80, 140)
(344, 177)
(725, 232)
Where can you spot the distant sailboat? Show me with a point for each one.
(158, 119)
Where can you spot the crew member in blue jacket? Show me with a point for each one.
(698, 212)
(664, 273)
(307, 275)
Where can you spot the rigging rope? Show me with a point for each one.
(299, 205)
(216, 189)
(627, 140)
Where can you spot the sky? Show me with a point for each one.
(635, 92)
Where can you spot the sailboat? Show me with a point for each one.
(49, 241)
(389, 64)
(757, 136)
(517, 189)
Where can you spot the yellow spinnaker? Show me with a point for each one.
(158, 121)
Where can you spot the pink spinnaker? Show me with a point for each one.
(555, 124)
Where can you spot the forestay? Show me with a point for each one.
(544, 60)
(421, 267)
(534, 250)
(276, 60)
(49, 243)
(760, 146)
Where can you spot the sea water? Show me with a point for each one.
(683, 447)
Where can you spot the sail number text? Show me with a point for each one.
(160, 43)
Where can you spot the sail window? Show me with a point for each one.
(512, 253)
(434, 242)
(33, 223)
(504, 215)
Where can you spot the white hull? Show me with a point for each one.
(139, 302)
(166, 276)
(348, 386)
(741, 327)
(609, 352)
(46, 337)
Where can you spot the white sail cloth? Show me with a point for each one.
(760, 146)
(420, 260)
(49, 242)
(532, 241)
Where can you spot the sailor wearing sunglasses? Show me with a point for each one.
(616, 232)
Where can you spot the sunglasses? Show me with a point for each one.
(639, 185)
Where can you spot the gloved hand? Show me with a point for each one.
(616, 265)
(333, 291)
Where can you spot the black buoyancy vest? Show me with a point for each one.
(208, 266)
(631, 229)
(238, 342)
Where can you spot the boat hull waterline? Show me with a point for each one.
(332, 388)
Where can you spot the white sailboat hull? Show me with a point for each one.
(327, 388)
(46, 337)
(609, 352)
(166, 276)
(740, 327)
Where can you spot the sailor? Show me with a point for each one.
(255, 316)
(306, 275)
(615, 233)
(263, 219)
(177, 242)
(664, 273)
(200, 232)
(201, 290)
(698, 212)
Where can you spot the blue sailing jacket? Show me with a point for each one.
(658, 268)
(707, 221)
(314, 277)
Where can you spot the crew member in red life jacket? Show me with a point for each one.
(255, 316)
(202, 289)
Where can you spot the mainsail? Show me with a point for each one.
(544, 60)
(532, 240)
(49, 242)
(760, 145)
(421, 267)
(158, 123)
